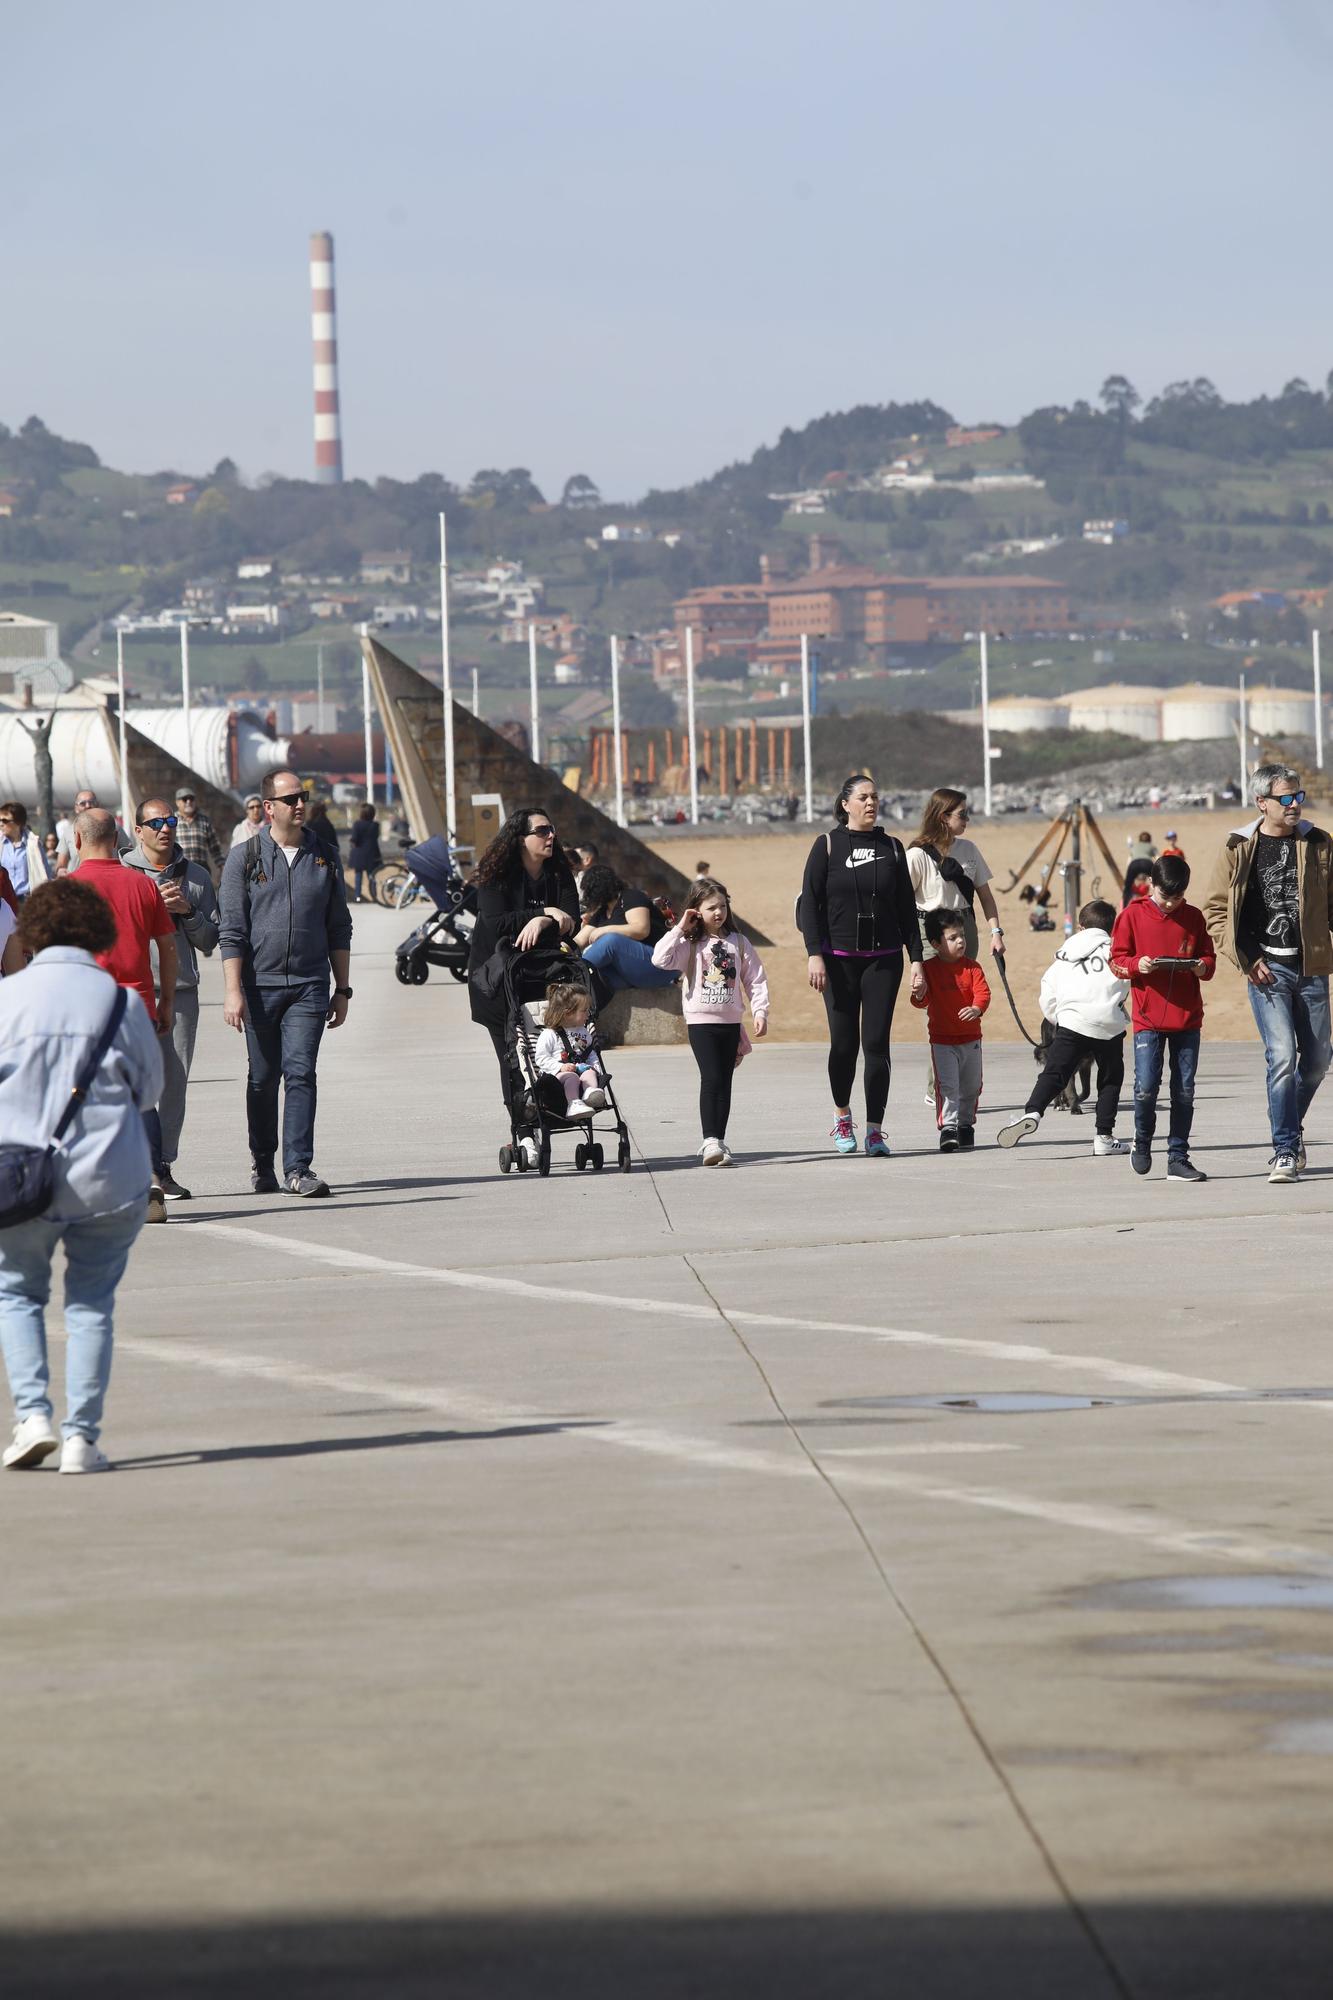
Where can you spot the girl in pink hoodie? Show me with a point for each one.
(721, 968)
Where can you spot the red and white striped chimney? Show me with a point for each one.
(324, 328)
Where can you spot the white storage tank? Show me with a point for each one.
(1281, 711)
(1022, 712)
(209, 750)
(1132, 711)
(1195, 713)
(84, 755)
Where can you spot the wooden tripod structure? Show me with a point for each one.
(1075, 825)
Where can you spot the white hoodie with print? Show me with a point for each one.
(1079, 990)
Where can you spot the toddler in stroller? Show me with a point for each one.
(558, 1081)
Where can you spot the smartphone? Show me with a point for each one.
(865, 931)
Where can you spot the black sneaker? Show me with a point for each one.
(1141, 1160)
(306, 1183)
(1184, 1170)
(967, 1138)
(170, 1186)
(263, 1180)
(948, 1140)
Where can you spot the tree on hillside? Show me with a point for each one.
(580, 491)
(515, 488)
(1119, 398)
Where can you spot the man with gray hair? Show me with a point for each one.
(1269, 909)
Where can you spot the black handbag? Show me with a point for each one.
(27, 1173)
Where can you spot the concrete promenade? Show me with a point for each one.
(625, 1585)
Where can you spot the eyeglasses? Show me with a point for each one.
(292, 799)
(1288, 798)
(185, 798)
(161, 821)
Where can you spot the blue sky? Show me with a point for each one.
(636, 241)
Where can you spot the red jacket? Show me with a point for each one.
(1167, 1000)
(952, 983)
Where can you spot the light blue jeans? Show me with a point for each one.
(96, 1253)
(1292, 1017)
(626, 961)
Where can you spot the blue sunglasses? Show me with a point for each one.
(1288, 798)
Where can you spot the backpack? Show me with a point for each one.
(796, 906)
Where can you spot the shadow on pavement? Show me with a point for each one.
(1168, 1951)
(312, 1447)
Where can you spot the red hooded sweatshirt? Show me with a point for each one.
(952, 983)
(1168, 999)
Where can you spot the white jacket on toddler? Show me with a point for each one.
(550, 1050)
(1079, 990)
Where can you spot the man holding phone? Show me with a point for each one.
(1270, 911)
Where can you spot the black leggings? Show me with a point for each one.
(859, 997)
(502, 1043)
(715, 1045)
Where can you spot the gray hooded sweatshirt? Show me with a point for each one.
(199, 931)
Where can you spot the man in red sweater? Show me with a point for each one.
(1161, 945)
(142, 920)
(956, 996)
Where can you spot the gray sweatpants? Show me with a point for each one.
(177, 1055)
(957, 1067)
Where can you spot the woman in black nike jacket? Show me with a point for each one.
(858, 916)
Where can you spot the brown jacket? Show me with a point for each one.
(1314, 875)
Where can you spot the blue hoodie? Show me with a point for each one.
(283, 923)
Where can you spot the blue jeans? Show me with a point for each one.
(1292, 1017)
(283, 1026)
(1150, 1047)
(96, 1253)
(626, 961)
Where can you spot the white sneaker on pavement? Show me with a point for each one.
(1105, 1143)
(713, 1153)
(80, 1454)
(726, 1160)
(529, 1151)
(34, 1440)
(1018, 1128)
(1284, 1168)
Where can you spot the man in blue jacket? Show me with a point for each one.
(286, 936)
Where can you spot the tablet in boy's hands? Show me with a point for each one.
(1192, 963)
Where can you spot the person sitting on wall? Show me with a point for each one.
(620, 927)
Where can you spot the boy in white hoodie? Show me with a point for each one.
(1085, 1002)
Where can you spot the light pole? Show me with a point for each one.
(805, 725)
(533, 730)
(365, 721)
(185, 688)
(450, 801)
(689, 722)
(1318, 705)
(126, 812)
(985, 726)
(615, 730)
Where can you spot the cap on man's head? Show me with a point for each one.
(251, 799)
(185, 791)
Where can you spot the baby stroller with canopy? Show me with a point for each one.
(537, 1102)
(446, 937)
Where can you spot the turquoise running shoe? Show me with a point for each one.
(876, 1144)
(843, 1135)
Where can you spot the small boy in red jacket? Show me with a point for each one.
(955, 998)
(1161, 945)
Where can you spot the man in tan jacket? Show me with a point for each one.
(1269, 909)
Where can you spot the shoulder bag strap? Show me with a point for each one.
(83, 1081)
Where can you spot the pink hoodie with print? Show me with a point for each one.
(719, 974)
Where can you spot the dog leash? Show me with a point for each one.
(1008, 994)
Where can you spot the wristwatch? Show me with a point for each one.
(342, 992)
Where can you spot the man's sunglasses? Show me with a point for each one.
(288, 798)
(161, 821)
(1288, 798)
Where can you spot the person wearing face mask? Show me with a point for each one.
(858, 916)
(525, 897)
(1269, 910)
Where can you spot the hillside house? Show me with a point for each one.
(387, 566)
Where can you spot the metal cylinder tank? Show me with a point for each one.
(1131, 711)
(1195, 713)
(83, 756)
(1023, 712)
(230, 750)
(1281, 712)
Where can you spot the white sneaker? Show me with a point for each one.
(529, 1152)
(726, 1160)
(1104, 1143)
(1018, 1128)
(713, 1153)
(596, 1098)
(579, 1108)
(1284, 1168)
(34, 1440)
(80, 1454)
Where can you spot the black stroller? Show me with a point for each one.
(537, 1101)
(446, 937)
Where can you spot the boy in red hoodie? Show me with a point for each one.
(1161, 945)
(956, 997)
